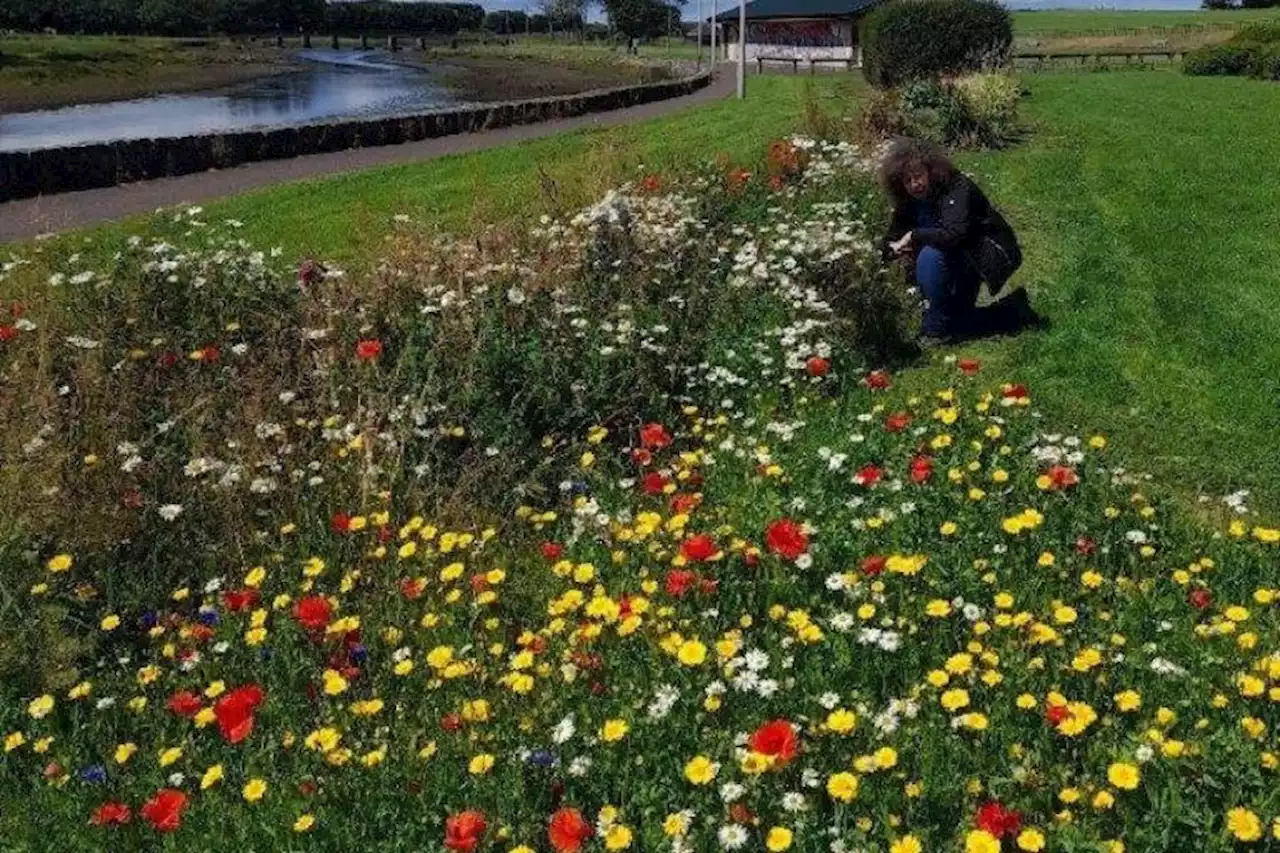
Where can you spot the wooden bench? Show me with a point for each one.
(795, 61)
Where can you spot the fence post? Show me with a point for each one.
(306, 41)
(334, 42)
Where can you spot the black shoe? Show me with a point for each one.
(1019, 307)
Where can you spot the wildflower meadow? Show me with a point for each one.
(619, 532)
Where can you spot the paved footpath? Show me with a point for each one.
(66, 211)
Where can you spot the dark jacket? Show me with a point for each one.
(966, 222)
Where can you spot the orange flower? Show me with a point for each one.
(463, 831)
(568, 830)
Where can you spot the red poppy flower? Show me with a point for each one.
(653, 483)
(708, 586)
(817, 366)
(786, 538)
(234, 712)
(651, 183)
(568, 831)
(164, 810)
(413, 588)
(776, 738)
(451, 722)
(997, 820)
(683, 504)
(8, 333)
(969, 366)
(1015, 392)
(131, 499)
(679, 581)
(109, 814)
(463, 831)
(1200, 598)
(654, 436)
(1062, 477)
(738, 813)
(368, 350)
(312, 612)
(184, 703)
(897, 422)
(1055, 714)
(878, 380)
(340, 522)
(699, 548)
(921, 469)
(642, 457)
(868, 475)
(874, 565)
(237, 600)
(1085, 546)
(167, 359)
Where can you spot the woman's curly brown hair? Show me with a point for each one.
(907, 155)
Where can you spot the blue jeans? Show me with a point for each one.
(949, 284)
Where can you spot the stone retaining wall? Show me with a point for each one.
(53, 170)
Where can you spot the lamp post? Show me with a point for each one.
(699, 35)
(715, 13)
(742, 49)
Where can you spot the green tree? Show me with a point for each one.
(642, 18)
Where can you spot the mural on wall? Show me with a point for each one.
(797, 33)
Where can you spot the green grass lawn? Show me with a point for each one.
(1147, 202)
(1088, 21)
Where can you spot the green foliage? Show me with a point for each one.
(195, 17)
(642, 18)
(975, 111)
(1250, 52)
(904, 41)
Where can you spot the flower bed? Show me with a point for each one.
(737, 591)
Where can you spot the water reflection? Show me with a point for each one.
(333, 85)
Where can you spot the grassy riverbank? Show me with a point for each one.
(41, 72)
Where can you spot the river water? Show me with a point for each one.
(333, 84)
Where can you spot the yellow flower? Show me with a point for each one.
(40, 707)
(366, 707)
(334, 683)
(778, 839)
(675, 824)
(14, 740)
(110, 622)
(955, 699)
(701, 770)
(1031, 840)
(906, 844)
(618, 837)
(1244, 825)
(841, 721)
(885, 757)
(938, 608)
(1124, 776)
(60, 563)
(981, 841)
(1128, 700)
(480, 764)
(170, 755)
(614, 730)
(304, 823)
(843, 787)
(211, 777)
(692, 653)
(254, 790)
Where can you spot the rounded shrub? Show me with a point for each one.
(924, 39)
(1219, 61)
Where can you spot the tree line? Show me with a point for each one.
(1240, 4)
(633, 18)
(203, 17)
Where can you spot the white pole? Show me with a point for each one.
(715, 9)
(742, 49)
(699, 35)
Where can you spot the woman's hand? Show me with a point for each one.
(903, 245)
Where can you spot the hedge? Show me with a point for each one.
(926, 39)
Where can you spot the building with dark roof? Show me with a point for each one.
(806, 30)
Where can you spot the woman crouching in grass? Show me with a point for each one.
(957, 239)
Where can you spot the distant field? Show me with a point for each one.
(1084, 22)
